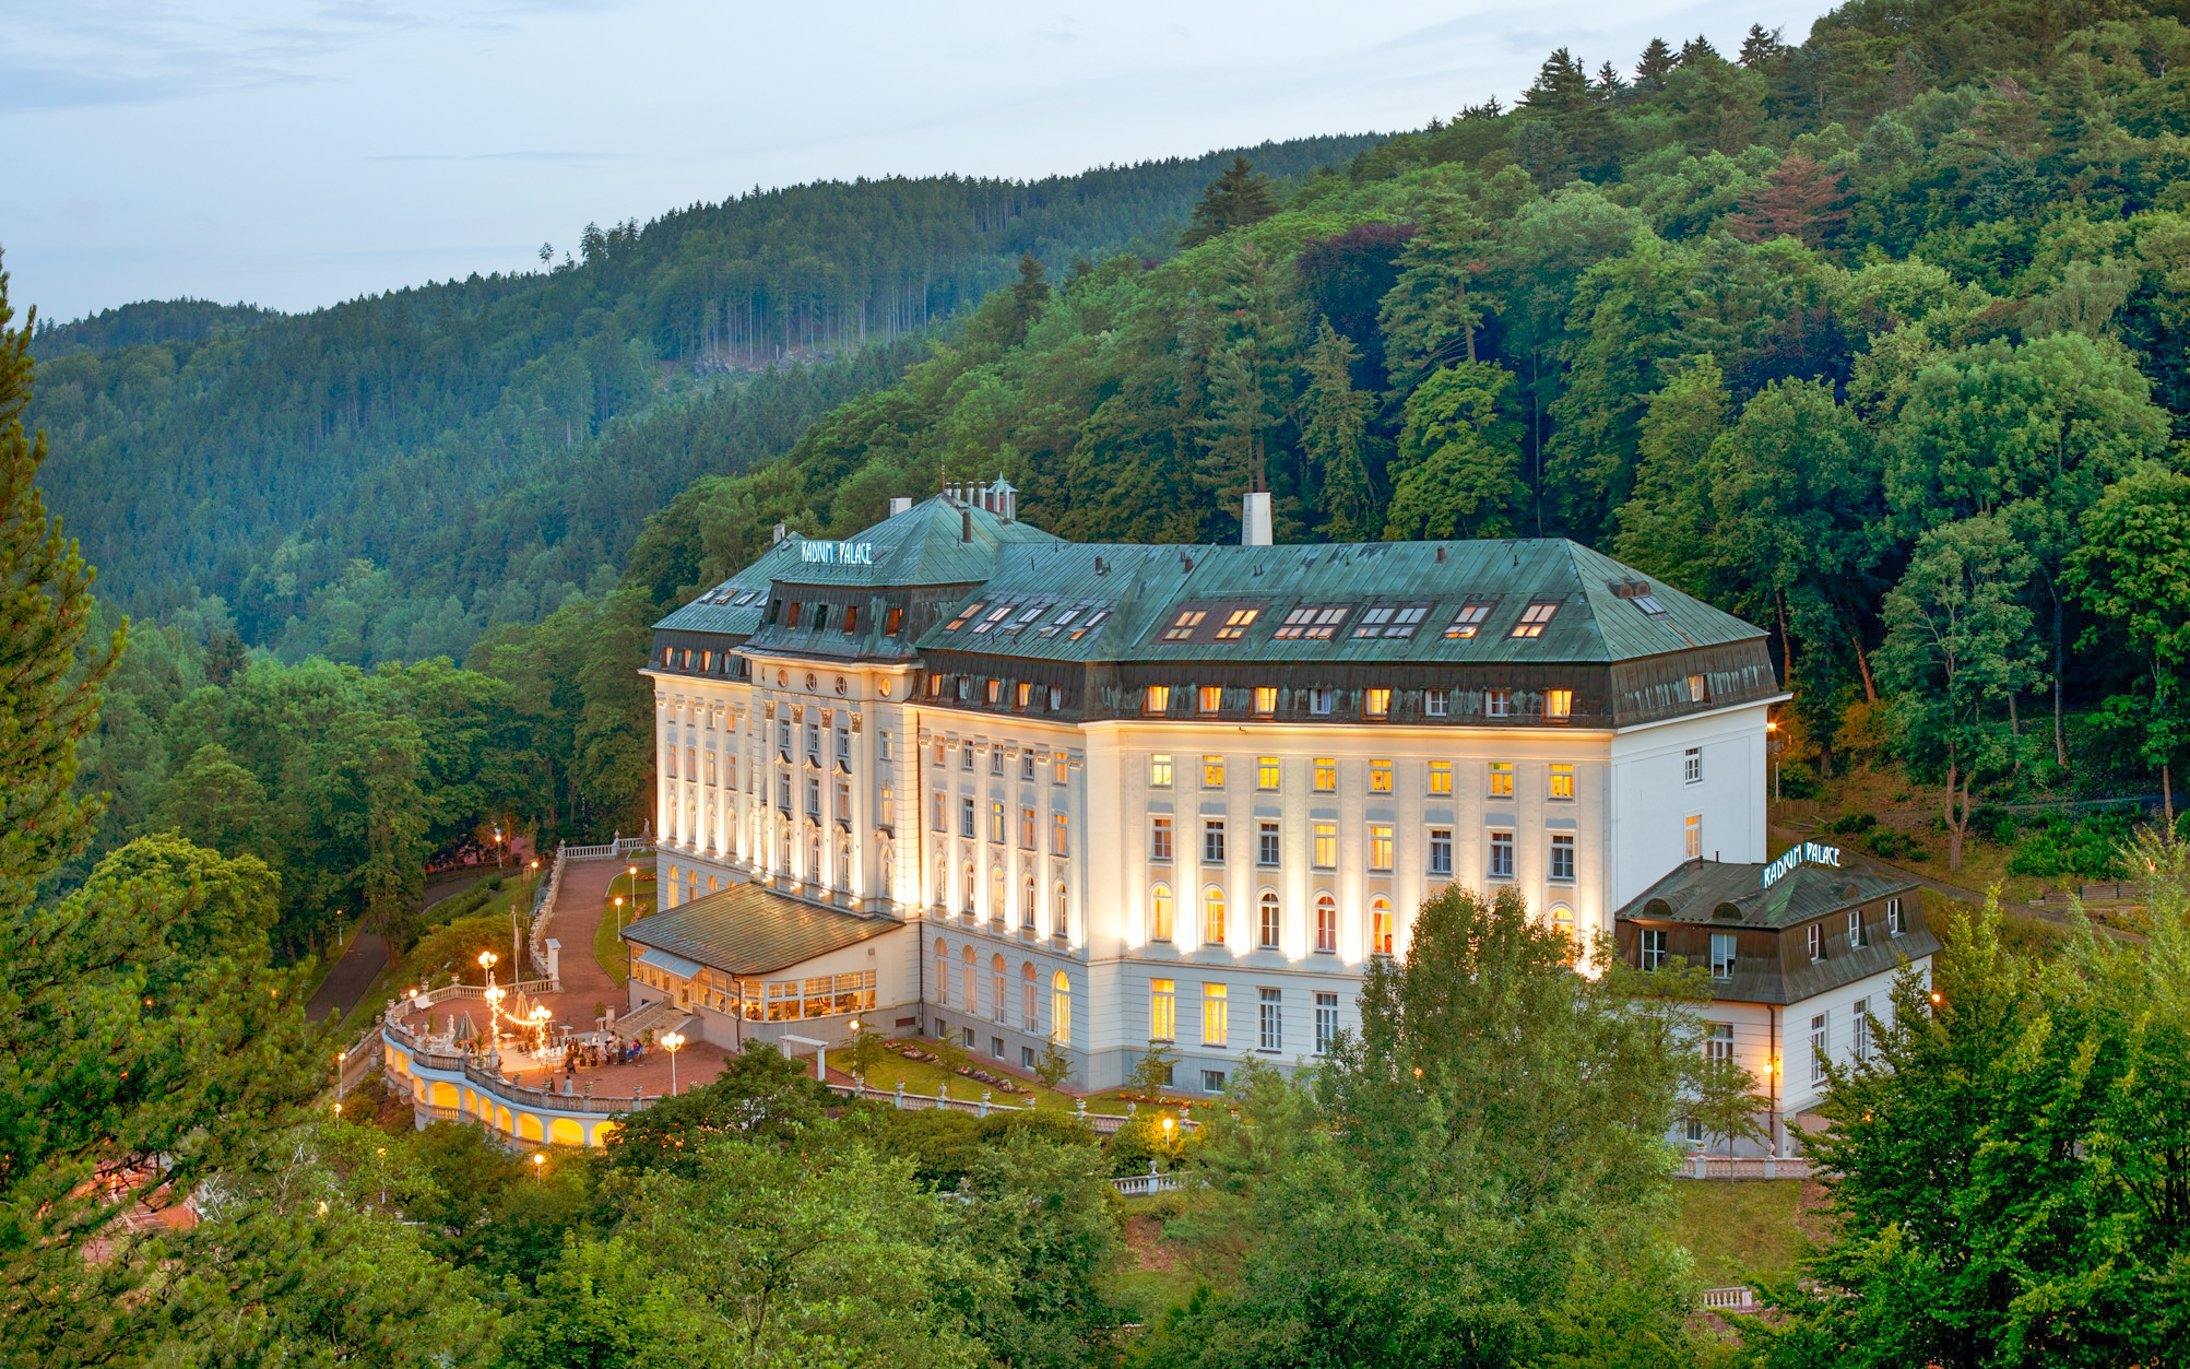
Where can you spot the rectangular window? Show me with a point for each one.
(1692, 836)
(996, 761)
(1216, 1016)
(1718, 1041)
(1022, 696)
(1265, 701)
(1156, 700)
(1858, 935)
(888, 806)
(1163, 1010)
(1310, 622)
(1653, 947)
(1562, 857)
(965, 818)
(813, 796)
(1501, 855)
(992, 690)
(1266, 774)
(1212, 772)
(1467, 622)
(1441, 851)
(1380, 777)
(1236, 624)
(1699, 689)
(1692, 765)
(894, 623)
(1893, 917)
(1859, 1018)
(965, 758)
(1212, 1081)
(1534, 619)
(1561, 782)
(1209, 699)
(1814, 936)
(1270, 1019)
(1501, 779)
(1266, 845)
(1820, 1041)
(1159, 837)
(1028, 821)
(1497, 703)
(1159, 772)
(1558, 704)
(1326, 852)
(1326, 775)
(1380, 846)
(996, 822)
(669, 754)
(1319, 702)
(941, 822)
(1212, 841)
(1182, 627)
(1435, 703)
(1326, 1021)
(1026, 767)
(1060, 838)
(1441, 779)
(1722, 955)
(1376, 703)
(1057, 766)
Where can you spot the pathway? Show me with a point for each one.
(573, 919)
(353, 976)
(1856, 860)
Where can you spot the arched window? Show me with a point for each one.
(996, 892)
(967, 908)
(1062, 925)
(1026, 902)
(1212, 916)
(1380, 925)
(813, 860)
(1159, 913)
(973, 984)
(1272, 922)
(1562, 919)
(1060, 1008)
(670, 889)
(999, 992)
(1326, 923)
(942, 973)
(1030, 1008)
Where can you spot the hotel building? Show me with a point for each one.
(955, 775)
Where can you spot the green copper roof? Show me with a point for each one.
(1697, 891)
(1376, 601)
(748, 930)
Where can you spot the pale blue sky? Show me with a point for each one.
(294, 154)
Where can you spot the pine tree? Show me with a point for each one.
(1430, 316)
(1029, 293)
(1698, 49)
(1334, 425)
(47, 703)
(1239, 196)
(1760, 46)
(1800, 200)
(1657, 63)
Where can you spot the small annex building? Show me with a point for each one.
(1802, 955)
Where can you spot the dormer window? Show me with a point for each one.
(1156, 700)
(1312, 622)
(895, 622)
(1467, 622)
(1209, 699)
(1649, 604)
(1391, 620)
(963, 614)
(1236, 624)
(1699, 689)
(996, 615)
(1182, 627)
(1535, 618)
(790, 619)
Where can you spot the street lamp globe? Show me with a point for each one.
(672, 1042)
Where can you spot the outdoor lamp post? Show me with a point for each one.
(539, 1166)
(673, 1042)
(340, 1057)
(1775, 742)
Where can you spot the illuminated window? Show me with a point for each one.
(1022, 695)
(999, 987)
(1699, 689)
(1159, 913)
(1209, 699)
(1212, 772)
(1380, 926)
(1182, 627)
(1060, 836)
(1467, 622)
(1376, 703)
(1265, 701)
(1326, 775)
(1558, 703)
(1326, 846)
(1159, 771)
(1266, 772)
(1326, 923)
(942, 973)
(973, 981)
(1212, 916)
(1159, 837)
(1692, 831)
(1441, 779)
(1380, 847)
(1163, 1010)
(1236, 624)
(1380, 777)
(1501, 779)
(1060, 1008)
(1216, 1016)
(1027, 823)
(1561, 782)
(996, 822)
(1156, 700)
(1029, 1008)
(1534, 619)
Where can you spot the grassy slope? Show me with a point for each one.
(1740, 1230)
(608, 946)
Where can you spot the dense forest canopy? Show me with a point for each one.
(423, 464)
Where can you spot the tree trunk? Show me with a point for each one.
(1863, 664)
(1786, 645)
(1957, 815)
(2060, 738)
(2167, 793)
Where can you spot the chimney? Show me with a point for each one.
(901, 503)
(1254, 519)
(780, 531)
(965, 525)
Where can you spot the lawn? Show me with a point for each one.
(919, 1076)
(1741, 1229)
(608, 947)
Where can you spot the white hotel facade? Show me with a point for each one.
(956, 775)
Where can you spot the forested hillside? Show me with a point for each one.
(384, 478)
(1878, 340)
